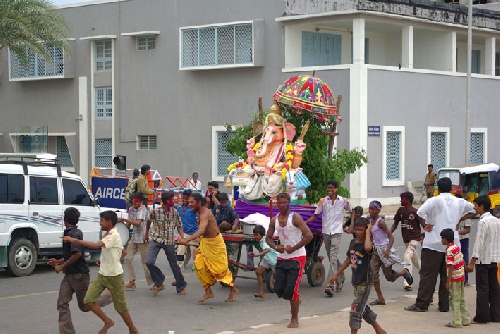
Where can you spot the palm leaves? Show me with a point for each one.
(33, 24)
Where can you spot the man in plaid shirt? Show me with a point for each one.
(160, 229)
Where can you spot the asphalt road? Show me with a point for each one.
(28, 304)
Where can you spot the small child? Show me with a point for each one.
(455, 282)
(269, 257)
(358, 256)
(385, 255)
(110, 273)
(358, 212)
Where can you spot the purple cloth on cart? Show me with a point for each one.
(244, 208)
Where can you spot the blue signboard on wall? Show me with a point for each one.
(373, 130)
(110, 191)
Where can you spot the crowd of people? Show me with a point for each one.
(193, 230)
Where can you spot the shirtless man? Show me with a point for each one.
(294, 235)
(211, 259)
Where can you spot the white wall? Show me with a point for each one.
(432, 50)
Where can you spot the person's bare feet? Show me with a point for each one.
(294, 323)
(107, 325)
(208, 294)
(134, 331)
(259, 295)
(232, 294)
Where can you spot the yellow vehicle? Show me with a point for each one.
(472, 181)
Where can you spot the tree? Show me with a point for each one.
(317, 165)
(33, 24)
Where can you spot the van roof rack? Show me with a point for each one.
(31, 159)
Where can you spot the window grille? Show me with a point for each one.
(103, 152)
(438, 149)
(103, 55)
(146, 43)
(49, 65)
(104, 102)
(320, 49)
(62, 152)
(216, 46)
(147, 142)
(393, 156)
(224, 158)
(477, 147)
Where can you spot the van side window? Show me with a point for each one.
(43, 190)
(11, 188)
(75, 193)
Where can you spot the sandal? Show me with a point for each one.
(408, 278)
(339, 286)
(329, 291)
(414, 308)
(377, 302)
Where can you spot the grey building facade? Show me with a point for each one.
(157, 81)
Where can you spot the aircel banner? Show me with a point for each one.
(109, 191)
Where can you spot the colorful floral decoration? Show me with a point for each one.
(289, 153)
(239, 164)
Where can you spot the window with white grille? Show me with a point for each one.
(146, 43)
(38, 66)
(221, 158)
(103, 152)
(393, 155)
(104, 102)
(478, 146)
(103, 55)
(439, 147)
(146, 142)
(62, 152)
(222, 45)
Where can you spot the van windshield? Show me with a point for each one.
(454, 175)
(494, 180)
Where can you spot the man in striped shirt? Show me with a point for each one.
(160, 229)
(456, 276)
(485, 258)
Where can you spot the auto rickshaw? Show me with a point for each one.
(473, 181)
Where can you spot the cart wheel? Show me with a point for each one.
(316, 274)
(269, 277)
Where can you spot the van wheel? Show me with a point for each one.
(22, 257)
(496, 211)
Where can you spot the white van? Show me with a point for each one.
(33, 196)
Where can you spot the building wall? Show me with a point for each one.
(417, 101)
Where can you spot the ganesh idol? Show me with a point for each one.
(270, 159)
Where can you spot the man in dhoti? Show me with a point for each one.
(211, 259)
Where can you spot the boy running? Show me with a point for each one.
(385, 255)
(110, 273)
(411, 232)
(76, 274)
(358, 256)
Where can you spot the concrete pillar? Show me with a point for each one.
(407, 47)
(358, 127)
(453, 51)
(358, 41)
(83, 129)
(489, 56)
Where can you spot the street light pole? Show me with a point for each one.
(468, 84)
